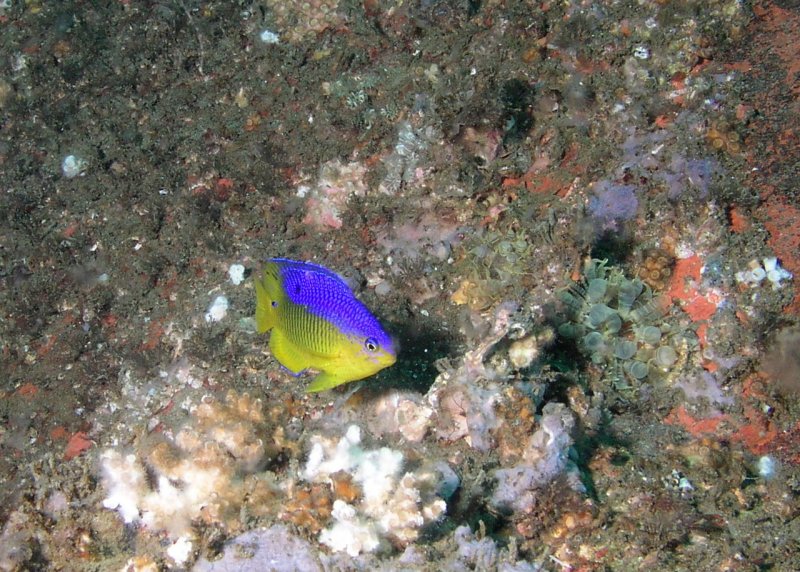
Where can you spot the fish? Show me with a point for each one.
(316, 323)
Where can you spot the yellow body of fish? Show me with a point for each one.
(318, 324)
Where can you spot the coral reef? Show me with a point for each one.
(358, 500)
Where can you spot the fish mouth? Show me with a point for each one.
(384, 360)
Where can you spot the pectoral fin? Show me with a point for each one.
(268, 295)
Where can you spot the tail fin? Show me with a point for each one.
(269, 295)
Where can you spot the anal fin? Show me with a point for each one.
(325, 381)
(291, 357)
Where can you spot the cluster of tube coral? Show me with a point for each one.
(619, 325)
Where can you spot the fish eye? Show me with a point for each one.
(371, 344)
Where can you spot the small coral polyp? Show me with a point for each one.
(655, 269)
(619, 325)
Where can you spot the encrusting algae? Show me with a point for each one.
(317, 323)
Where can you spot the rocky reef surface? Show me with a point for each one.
(578, 219)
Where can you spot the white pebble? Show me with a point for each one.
(383, 288)
(218, 309)
(523, 352)
(180, 550)
(775, 274)
(269, 37)
(73, 166)
(236, 274)
(767, 467)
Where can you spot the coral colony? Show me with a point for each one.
(619, 325)
(394, 504)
